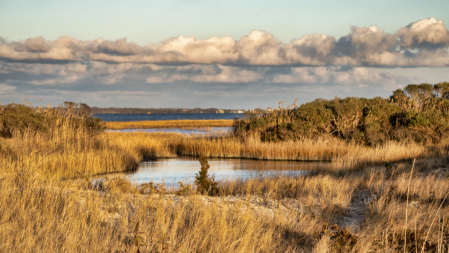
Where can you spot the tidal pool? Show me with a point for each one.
(174, 170)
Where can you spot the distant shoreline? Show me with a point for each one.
(97, 110)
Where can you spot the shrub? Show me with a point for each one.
(205, 184)
(18, 118)
(417, 112)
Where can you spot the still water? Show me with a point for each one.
(165, 116)
(171, 171)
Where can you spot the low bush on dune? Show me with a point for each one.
(17, 118)
(418, 113)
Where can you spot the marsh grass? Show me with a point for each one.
(343, 155)
(185, 124)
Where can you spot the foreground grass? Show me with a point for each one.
(375, 209)
(116, 125)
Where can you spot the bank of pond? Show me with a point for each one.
(171, 171)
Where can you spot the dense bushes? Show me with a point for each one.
(417, 112)
(17, 118)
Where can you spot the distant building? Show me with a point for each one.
(148, 112)
(240, 111)
(220, 111)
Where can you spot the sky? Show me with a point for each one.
(224, 54)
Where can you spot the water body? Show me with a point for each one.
(200, 131)
(171, 171)
(166, 116)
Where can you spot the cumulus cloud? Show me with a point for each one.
(257, 66)
(427, 34)
(422, 43)
(62, 50)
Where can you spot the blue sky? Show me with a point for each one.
(241, 68)
(146, 22)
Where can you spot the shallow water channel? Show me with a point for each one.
(171, 171)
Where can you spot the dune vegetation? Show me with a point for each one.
(386, 190)
(418, 113)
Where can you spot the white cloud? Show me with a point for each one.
(67, 79)
(363, 46)
(427, 33)
(6, 89)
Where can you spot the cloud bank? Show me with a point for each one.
(423, 43)
(250, 72)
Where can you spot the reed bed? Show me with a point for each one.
(185, 124)
(60, 156)
(70, 152)
(340, 153)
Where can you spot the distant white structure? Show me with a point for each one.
(219, 111)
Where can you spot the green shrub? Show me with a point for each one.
(205, 184)
(17, 117)
(419, 113)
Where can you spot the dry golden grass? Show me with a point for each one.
(43, 210)
(58, 156)
(55, 216)
(68, 149)
(49, 218)
(169, 124)
(387, 226)
(342, 154)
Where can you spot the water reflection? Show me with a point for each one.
(171, 171)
